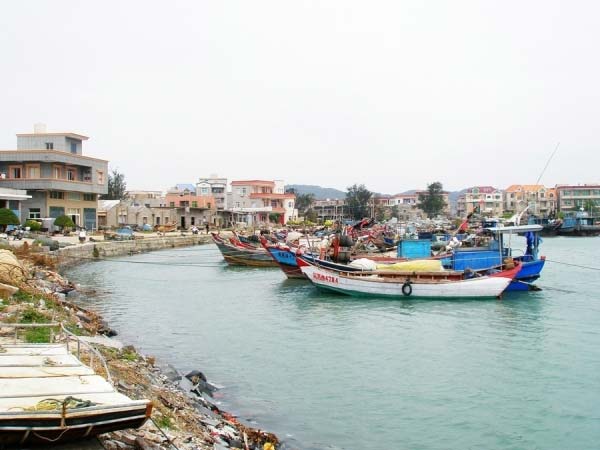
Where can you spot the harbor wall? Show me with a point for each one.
(71, 255)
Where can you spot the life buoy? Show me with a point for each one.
(407, 288)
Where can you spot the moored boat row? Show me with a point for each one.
(443, 276)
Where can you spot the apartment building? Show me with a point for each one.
(192, 209)
(216, 187)
(540, 200)
(331, 210)
(481, 199)
(53, 170)
(256, 201)
(574, 198)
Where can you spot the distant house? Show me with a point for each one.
(331, 210)
(191, 209)
(538, 199)
(573, 198)
(481, 199)
(254, 202)
(215, 187)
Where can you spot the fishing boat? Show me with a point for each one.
(241, 256)
(500, 248)
(579, 224)
(446, 284)
(48, 395)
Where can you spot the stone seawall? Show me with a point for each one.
(74, 254)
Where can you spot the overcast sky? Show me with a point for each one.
(392, 94)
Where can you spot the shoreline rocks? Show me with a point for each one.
(180, 418)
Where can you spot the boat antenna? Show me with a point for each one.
(547, 163)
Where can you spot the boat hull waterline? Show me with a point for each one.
(374, 286)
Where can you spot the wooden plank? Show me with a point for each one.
(75, 385)
(47, 351)
(44, 372)
(38, 361)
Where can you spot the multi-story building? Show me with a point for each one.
(192, 209)
(538, 200)
(147, 198)
(255, 201)
(331, 210)
(404, 200)
(52, 169)
(482, 199)
(573, 198)
(216, 187)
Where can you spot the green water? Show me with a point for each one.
(328, 371)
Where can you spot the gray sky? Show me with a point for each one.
(392, 94)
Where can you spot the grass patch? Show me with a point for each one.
(32, 315)
(74, 329)
(129, 356)
(22, 296)
(164, 422)
(38, 335)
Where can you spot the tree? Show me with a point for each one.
(274, 217)
(304, 202)
(117, 187)
(64, 222)
(7, 217)
(311, 215)
(432, 202)
(357, 201)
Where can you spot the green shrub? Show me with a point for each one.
(33, 225)
(64, 222)
(7, 217)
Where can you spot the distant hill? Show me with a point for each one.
(319, 192)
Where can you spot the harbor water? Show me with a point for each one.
(326, 371)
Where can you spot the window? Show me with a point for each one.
(208, 205)
(57, 172)
(194, 205)
(14, 171)
(57, 195)
(89, 197)
(34, 213)
(71, 173)
(32, 171)
(49, 146)
(74, 196)
(172, 204)
(204, 190)
(73, 147)
(100, 175)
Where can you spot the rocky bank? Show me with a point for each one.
(180, 419)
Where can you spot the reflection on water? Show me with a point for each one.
(343, 372)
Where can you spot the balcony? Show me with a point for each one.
(53, 184)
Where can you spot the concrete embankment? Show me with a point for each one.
(74, 254)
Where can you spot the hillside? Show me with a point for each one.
(319, 192)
